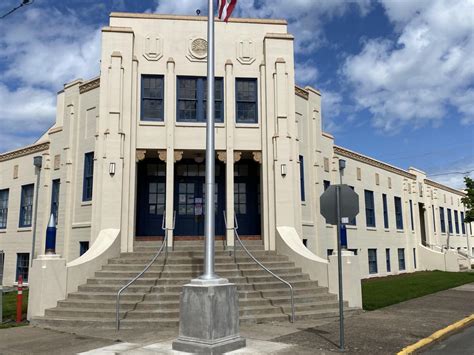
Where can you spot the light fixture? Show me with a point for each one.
(283, 169)
(38, 161)
(342, 164)
(112, 169)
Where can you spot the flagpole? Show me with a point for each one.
(209, 215)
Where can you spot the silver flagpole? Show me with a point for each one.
(209, 217)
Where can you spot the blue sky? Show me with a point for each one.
(397, 77)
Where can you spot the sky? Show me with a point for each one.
(396, 76)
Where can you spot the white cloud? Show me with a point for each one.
(331, 106)
(413, 80)
(41, 50)
(306, 73)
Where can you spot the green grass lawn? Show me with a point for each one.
(9, 307)
(384, 291)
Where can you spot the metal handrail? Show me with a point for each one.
(165, 243)
(237, 237)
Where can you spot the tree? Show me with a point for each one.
(468, 200)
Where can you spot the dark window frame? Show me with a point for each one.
(386, 224)
(373, 267)
(401, 259)
(302, 189)
(26, 207)
(161, 115)
(239, 102)
(450, 221)
(442, 220)
(55, 188)
(387, 260)
(24, 268)
(352, 221)
(463, 226)
(369, 208)
(4, 197)
(200, 99)
(411, 216)
(434, 218)
(456, 221)
(88, 177)
(398, 212)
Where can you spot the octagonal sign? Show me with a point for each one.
(349, 203)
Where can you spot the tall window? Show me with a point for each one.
(352, 221)
(442, 220)
(26, 206)
(22, 262)
(411, 216)
(450, 221)
(55, 200)
(192, 99)
(372, 261)
(152, 108)
(401, 259)
(434, 219)
(246, 100)
(302, 178)
(385, 211)
(398, 212)
(88, 176)
(369, 208)
(456, 221)
(387, 260)
(3, 208)
(463, 226)
(414, 257)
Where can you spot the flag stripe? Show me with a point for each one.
(225, 9)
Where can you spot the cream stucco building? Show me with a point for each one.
(126, 152)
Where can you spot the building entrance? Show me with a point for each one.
(190, 196)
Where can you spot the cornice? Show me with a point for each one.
(24, 151)
(327, 135)
(301, 92)
(89, 85)
(378, 164)
(444, 187)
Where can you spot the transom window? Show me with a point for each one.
(192, 99)
(194, 170)
(246, 100)
(156, 169)
(152, 108)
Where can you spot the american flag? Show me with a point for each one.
(225, 8)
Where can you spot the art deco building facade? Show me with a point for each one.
(126, 153)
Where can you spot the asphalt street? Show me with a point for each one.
(459, 343)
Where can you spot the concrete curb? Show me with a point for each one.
(436, 335)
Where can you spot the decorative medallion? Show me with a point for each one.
(257, 156)
(197, 49)
(222, 156)
(140, 154)
(178, 155)
(162, 154)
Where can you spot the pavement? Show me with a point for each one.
(384, 331)
(459, 343)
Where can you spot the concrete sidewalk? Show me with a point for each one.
(384, 331)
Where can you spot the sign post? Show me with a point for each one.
(339, 203)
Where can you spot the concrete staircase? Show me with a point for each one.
(153, 300)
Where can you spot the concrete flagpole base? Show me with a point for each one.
(209, 318)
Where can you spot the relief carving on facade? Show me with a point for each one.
(222, 156)
(153, 48)
(140, 154)
(162, 154)
(246, 51)
(197, 49)
(257, 156)
(178, 155)
(237, 156)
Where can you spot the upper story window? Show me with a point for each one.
(463, 227)
(152, 108)
(411, 216)
(456, 221)
(385, 211)
(450, 221)
(352, 221)
(369, 208)
(398, 212)
(88, 176)
(246, 100)
(302, 192)
(26, 206)
(55, 200)
(192, 99)
(3, 208)
(442, 220)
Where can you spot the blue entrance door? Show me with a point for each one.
(247, 197)
(151, 200)
(190, 199)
